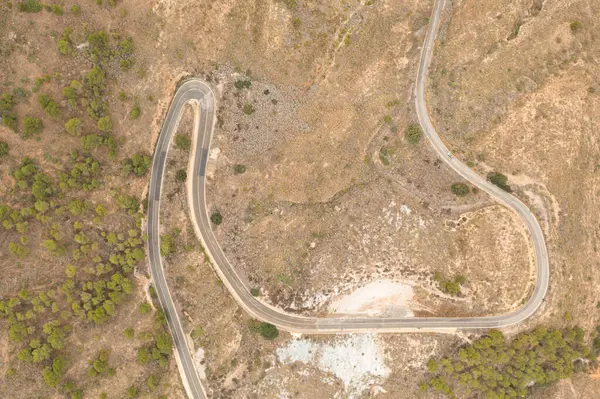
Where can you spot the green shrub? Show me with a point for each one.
(10, 121)
(132, 392)
(197, 332)
(450, 287)
(64, 47)
(183, 142)
(145, 308)
(216, 218)
(135, 112)
(167, 245)
(181, 175)
(3, 149)
(255, 291)
(76, 9)
(413, 133)
(64, 42)
(242, 84)
(460, 189)
(576, 26)
(248, 109)
(499, 180)
(7, 102)
(239, 169)
(268, 331)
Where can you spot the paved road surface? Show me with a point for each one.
(202, 98)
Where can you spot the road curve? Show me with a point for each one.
(199, 94)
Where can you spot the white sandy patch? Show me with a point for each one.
(355, 359)
(383, 297)
(198, 358)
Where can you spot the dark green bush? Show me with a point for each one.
(216, 218)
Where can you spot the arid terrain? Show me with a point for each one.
(524, 101)
(326, 206)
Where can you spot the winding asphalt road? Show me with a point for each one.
(201, 97)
